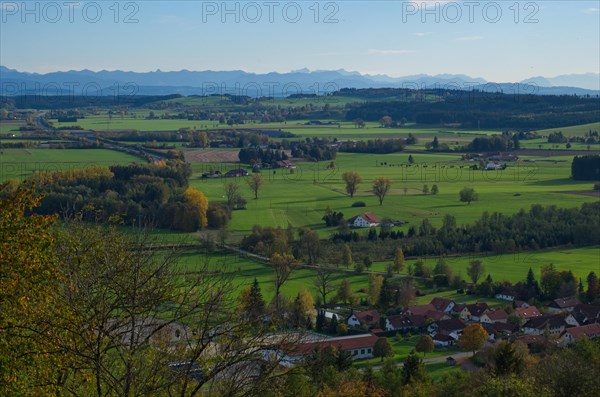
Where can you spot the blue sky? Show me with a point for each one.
(397, 38)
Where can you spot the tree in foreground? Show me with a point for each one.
(255, 182)
(424, 345)
(381, 187)
(344, 291)
(413, 370)
(347, 256)
(352, 179)
(473, 338)
(475, 270)
(382, 348)
(467, 195)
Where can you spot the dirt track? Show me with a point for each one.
(212, 156)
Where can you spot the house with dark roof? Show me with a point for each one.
(368, 219)
(587, 313)
(574, 334)
(453, 327)
(537, 325)
(443, 305)
(563, 304)
(368, 317)
(236, 173)
(506, 295)
(420, 309)
(399, 323)
(476, 310)
(443, 340)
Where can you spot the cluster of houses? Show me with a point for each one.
(566, 320)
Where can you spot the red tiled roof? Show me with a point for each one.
(369, 317)
(370, 217)
(420, 309)
(441, 304)
(590, 330)
(528, 312)
(497, 315)
(400, 321)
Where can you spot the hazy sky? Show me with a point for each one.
(499, 41)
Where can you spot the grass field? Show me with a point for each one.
(300, 199)
(20, 163)
(577, 130)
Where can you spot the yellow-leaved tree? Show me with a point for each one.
(198, 205)
(28, 285)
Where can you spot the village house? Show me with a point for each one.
(452, 327)
(587, 313)
(475, 310)
(574, 334)
(494, 316)
(399, 323)
(461, 310)
(528, 312)
(368, 219)
(442, 340)
(506, 295)
(537, 326)
(563, 304)
(370, 318)
(443, 305)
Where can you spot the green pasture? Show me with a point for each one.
(20, 163)
(576, 130)
(301, 198)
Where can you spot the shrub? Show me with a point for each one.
(359, 204)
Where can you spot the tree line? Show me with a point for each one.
(140, 194)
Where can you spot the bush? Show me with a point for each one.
(217, 216)
(359, 204)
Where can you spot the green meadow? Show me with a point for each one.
(301, 198)
(20, 163)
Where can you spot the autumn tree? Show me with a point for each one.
(375, 283)
(255, 182)
(29, 280)
(302, 311)
(382, 348)
(198, 204)
(473, 338)
(346, 256)
(475, 270)
(424, 344)
(407, 292)
(398, 260)
(467, 195)
(381, 187)
(344, 291)
(352, 180)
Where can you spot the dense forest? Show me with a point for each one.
(586, 168)
(484, 110)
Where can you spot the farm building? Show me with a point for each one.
(367, 219)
